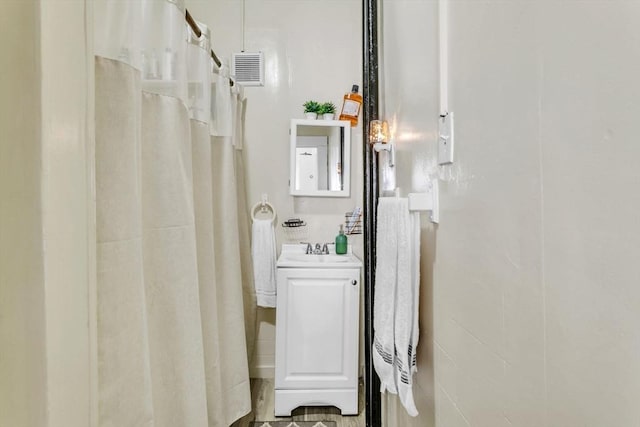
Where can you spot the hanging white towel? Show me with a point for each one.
(395, 308)
(389, 217)
(406, 318)
(263, 251)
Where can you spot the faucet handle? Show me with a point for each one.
(309, 249)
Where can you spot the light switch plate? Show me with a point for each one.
(445, 139)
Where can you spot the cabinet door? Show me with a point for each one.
(317, 328)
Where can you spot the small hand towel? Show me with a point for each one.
(395, 308)
(263, 251)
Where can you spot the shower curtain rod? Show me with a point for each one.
(196, 30)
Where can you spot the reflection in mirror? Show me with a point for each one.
(319, 158)
(313, 168)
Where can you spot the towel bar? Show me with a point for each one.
(427, 201)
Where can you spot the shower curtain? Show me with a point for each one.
(227, 134)
(171, 291)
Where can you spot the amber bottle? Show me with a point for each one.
(351, 106)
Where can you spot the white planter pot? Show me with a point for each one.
(311, 116)
(328, 116)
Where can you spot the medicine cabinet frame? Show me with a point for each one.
(330, 139)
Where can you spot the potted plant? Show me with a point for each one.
(327, 110)
(311, 109)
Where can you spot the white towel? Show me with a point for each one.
(263, 251)
(395, 307)
(406, 325)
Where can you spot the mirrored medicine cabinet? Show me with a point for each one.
(320, 158)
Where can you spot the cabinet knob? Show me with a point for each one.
(354, 282)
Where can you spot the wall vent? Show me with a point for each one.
(248, 68)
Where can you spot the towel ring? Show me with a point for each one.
(263, 207)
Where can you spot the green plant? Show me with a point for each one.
(311, 107)
(327, 108)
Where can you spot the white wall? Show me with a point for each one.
(589, 149)
(47, 277)
(408, 100)
(68, 203)
(312, 50)
(534, 263)
(22, 344)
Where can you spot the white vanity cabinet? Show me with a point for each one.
(317, 338)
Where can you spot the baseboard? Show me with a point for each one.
(344, 399)
(264, 371)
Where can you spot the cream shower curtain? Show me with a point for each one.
(227, 134)
(248, 288)
(171, 309)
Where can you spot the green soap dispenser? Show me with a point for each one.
(341, 242)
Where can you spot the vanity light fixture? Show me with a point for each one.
(380, 138)
(378, 132)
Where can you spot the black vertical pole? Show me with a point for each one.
(370, 166)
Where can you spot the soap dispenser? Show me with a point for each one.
(341, 242)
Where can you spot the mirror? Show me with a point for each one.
(320, 158)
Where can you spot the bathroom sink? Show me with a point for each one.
(318, 258)
(294, 256)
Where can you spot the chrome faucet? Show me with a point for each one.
(318, 250)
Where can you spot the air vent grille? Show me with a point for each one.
(248, 68)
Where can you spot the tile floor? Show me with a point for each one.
(262, 400)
